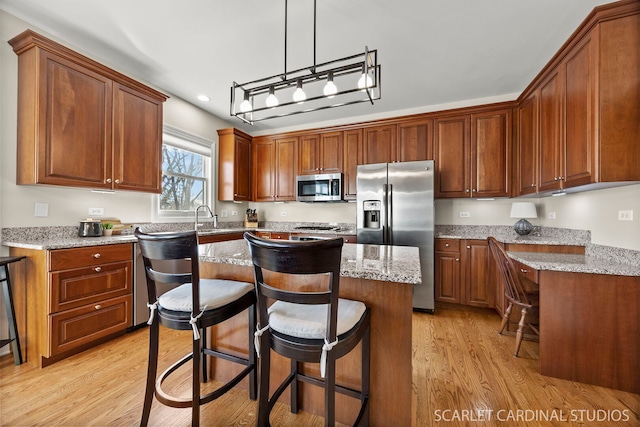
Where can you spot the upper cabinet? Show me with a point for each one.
(582, 112)
(82, 124)
(352, 157)
(379, 144)
(274, 169)
(473, 154)
(415, 140)
(320, 153)
(234, 165)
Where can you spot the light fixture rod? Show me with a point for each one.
(313, 70)
(286, 9)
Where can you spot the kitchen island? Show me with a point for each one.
(380, 276)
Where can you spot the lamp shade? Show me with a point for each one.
(523, 210)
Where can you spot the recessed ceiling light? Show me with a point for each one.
(204, 98)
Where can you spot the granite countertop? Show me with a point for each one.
(575, 263)
(400, 264)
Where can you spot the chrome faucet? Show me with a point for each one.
(215, 217)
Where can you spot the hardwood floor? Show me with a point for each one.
(460, 366)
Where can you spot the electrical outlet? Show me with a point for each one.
(283, 213)
(234, 213)
(42, 209)
(626, 215)
(224, 213)
(551, 215)
(96, 211)
(465, 214)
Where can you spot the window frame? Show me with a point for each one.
(184, 140)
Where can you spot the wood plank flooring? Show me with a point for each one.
(460, 366)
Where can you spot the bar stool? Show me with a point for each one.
(14, 339)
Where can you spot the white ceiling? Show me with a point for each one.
(433, 52)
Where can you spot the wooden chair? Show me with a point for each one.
(215, 302)
(518, 290)
(307, 326)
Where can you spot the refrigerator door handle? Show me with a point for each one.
(390, 214)
(385, 210)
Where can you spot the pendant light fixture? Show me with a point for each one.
(345, 81)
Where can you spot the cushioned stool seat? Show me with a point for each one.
(214, 293)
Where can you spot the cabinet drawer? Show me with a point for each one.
(526, 271)
(447, 245)
(73, 328)
(279, 236)
(349, 238)
(212, 238)
(62, 259)
(81, 286)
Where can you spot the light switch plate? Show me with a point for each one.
(96, 211)
(465, 214)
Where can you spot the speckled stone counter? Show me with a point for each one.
(574, 263)
(386, 263)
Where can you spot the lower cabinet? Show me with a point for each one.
(447, 270)
(73, 299)
(464, 272)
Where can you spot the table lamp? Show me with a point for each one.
(523, 210)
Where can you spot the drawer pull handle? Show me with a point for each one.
(96, 255)
(98, 307)
(468, 247)
(446, 245)
(523, 270)
(98, 269)
(457, 259)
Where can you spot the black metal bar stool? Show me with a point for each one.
(14, 339)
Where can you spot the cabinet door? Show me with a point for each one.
(527, 154)
(263, 170)
(137, 141)
(415, 141)
(447, 277)
(242, 172)
(579, 159)
(491, 154)
(285, 171)
(551, 132)
(352, 148)
(379, 144)
(309, 155)
(452, 146)
(74, 128)
(331, 152)
(479, 290)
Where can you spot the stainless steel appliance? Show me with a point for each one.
(319, 188)
(395, 207)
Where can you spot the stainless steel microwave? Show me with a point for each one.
(319, 188)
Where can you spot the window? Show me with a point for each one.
(186, 173)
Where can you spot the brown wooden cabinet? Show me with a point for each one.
(478, 276)
(81, 124)
(447, 271)
(491, 153)
(212, 238)
(352, 157)
(473, 154)
(587, 113)
(274, 168)
(74, 299)
(320, 153)
(379, 144)
(527, 146)
(234, 165)
(415, 140)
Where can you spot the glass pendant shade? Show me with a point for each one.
(271, 100)
(299, 96)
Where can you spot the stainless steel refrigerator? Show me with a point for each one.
(395, 207)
